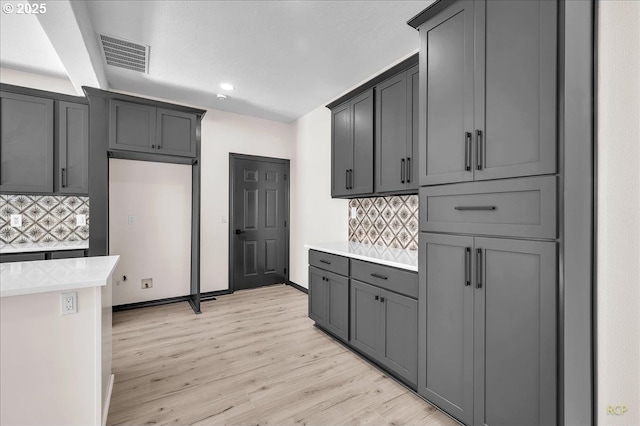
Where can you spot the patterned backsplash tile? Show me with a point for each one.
(45, 218)
(385, 221)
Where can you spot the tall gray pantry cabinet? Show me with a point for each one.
(488, 270)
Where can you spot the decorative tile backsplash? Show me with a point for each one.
(385, 221)
(45, 218)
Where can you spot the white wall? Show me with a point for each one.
(158, 244)
(41, 82)
(224, 133)
(618, 297)
(315, 216)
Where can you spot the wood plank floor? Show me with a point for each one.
(251, 358)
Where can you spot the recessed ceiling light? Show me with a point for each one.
(227, 86)
(221, 96)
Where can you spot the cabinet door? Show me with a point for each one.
(365, 318)
(391, 134)
(132, 127)
(445, 330)
(400, 334)
(338, 305)
(73, 148)
(176, 133)
(318, 293)
(362, 175)
(447, 46)
(341, 150)
(413, 141)
(515, 83)
(26, 143)
(515, 332)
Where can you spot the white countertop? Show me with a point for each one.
(41, 276)
(398, 258)
(33, 247)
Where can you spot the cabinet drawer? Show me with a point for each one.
(67, 254)
(329, 262)
(21, 257)
(396, 280)
(517, 207)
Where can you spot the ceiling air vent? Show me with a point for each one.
(125, 54)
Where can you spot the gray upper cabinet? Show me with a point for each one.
(145, 128)
(176, 133)
(73, 148)
(352, 147)
(132, 127)
(26, 143)
(487, 329)
(490, 96)
(396, 132)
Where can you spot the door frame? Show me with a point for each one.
(232, 164)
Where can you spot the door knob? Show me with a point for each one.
(239, 231)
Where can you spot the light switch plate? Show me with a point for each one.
(225, 218)
(131, 220)
(81, 220)
(16, 221)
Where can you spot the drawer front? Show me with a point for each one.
(21, 257)
(516, 207)
(67, 254)
(329, 262)
(392, 279)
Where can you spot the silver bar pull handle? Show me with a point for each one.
(475, 208)
(467, 266)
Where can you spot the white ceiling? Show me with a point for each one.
(285, 58)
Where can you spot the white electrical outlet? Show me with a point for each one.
(16, 221)
(81, 220)
(225, 218)
(354, 212)
(131, 220)
(68, 303)
(147, 283)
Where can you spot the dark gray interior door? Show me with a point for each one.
(73, 148)
(515, 83)
(391, 134)
(260, 212)
(446, 323)
(26, 143)
(515, 377)
(449, 42)
(341, 149)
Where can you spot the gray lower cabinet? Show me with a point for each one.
(352, 147)
(384, 327)
(72, 144)
(490, 96)
(26, 143)
(329, 301)
(487, 329)
(148, 129)
(396, 138)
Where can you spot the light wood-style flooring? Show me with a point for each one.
(251, 358)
